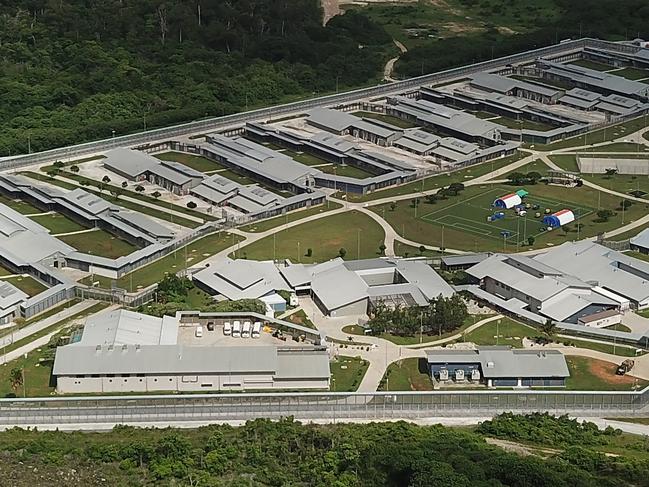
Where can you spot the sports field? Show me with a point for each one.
(470, 214)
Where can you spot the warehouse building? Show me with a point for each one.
(123, 351)
(498, 367)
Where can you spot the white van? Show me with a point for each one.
(236, 330)
(199, 332)
(246, 330)
(227, 328)
(256, 329)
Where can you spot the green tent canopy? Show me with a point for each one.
(522, 193)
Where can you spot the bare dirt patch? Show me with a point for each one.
(606, 372)
(458, 28)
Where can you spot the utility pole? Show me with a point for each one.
(358, 245)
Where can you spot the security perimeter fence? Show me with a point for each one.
(315, 406)
(213, 124)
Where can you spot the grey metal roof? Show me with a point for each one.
(421, 275)
(503, 85)
(163, 359)
(641, 239)
(338, 287)
(467, 259)
(504, 362)
(170, 174)
(332, 141)
(592, 262)
(144, 223)
(577, 102)
(87, 202)
(181, 168)
(302, 364)
(242, 279)
(10, 295)
(331, 119)
(123, 327)
(133, 163)
(591, 77)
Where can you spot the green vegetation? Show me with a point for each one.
(199, 163)
(264, 225)
(57, 223)
(4, 271)
(440, 180)
(304, 158)
(171, 263)
(631, 73)
(621, 350)
(618, 147)
(442, 315)
(405, 250)
(522, 124)
(19, 206)
(343, 454)
(586, 63)
(351, 231)
(591, 375)
(131, 205)
(347, 373)
(346, 170)
(99, 242)
(392, 120)
(26, 284)
(567, 162)
(504, 331)
(300, 318)
(460, 222)
(106, 190)
(598, 136)
(619, 327)
(236, 177)
(133, 66)
(410, 374)
(37, 366)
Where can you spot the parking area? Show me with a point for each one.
(187, 336)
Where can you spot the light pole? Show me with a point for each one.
(298, 251)
(113, 131)
(358, 245)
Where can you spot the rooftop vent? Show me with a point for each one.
(490, 365)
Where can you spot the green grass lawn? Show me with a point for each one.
(324, 236)
(347, 373)
(601, 135)
(264, 225)
(632, 73)
(502, 332)
(618, 147)
(346, 170)
(174, 262)
(19, 206)
(396, 121)
(237, 178)
(99, 242)
(410, 374)
(567, 162)
(586, 63)
(26, 284)
(619, 327)
(304, 158)
(439, 180)
(300, 318)
(461, 221)
(628, 234)
(592, 375)
(199, 163)
(37, 369)
(405, 250)
(621, 350)
(537, 165)
(417, 338)
(57, 223)
(523, 124)
(4, 271)
(131, 205)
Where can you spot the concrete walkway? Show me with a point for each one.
(28, 330)
(44, 340)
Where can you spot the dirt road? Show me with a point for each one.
(331, 9)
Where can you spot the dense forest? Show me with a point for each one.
(78, 70)
(287, 453)
(74, 70)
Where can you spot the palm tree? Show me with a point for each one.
(548, 328)
(16, 378)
